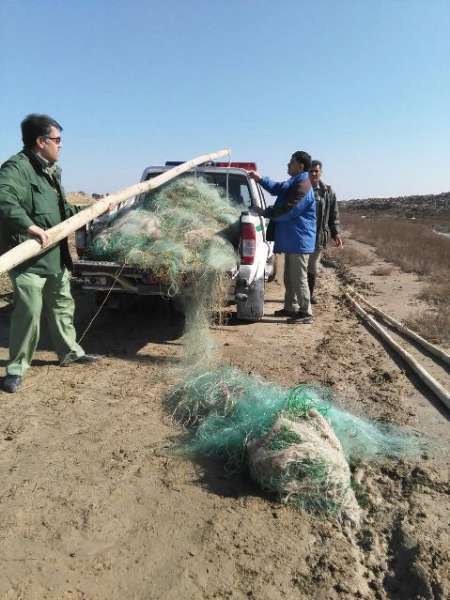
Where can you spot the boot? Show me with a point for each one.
(312, 285)
(11, 383)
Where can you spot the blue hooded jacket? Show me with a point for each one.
(294, 214)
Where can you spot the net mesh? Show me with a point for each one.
(303, 463)
(186, 235)
(306, 459)
(296, 443)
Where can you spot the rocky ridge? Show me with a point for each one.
(407, 206)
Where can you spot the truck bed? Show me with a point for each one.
(101, 275)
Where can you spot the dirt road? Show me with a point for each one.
(93, 506)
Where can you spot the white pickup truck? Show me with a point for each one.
(255, 266)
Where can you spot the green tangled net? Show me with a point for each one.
(186, 229)
(228, 413)
(186, 234)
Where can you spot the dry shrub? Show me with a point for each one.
(432, 325)
(437, 293)
(382, 271)
(349, 256)
(80, 199)
(410, 244)
(414, 246)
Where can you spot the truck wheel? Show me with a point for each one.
(252, 308)
(177, 304)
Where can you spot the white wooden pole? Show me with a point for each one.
(32, 247)
(431, 348)
(427, 379)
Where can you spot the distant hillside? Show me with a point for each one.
(79, 198)
(409, 206)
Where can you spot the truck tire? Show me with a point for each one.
(177, 305)
(252, 307)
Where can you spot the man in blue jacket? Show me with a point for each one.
(294, 217)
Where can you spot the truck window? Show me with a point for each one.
(238, 189)
(245, 194)
(262, 196)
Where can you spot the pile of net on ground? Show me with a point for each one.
(186, 234)
(294, 442)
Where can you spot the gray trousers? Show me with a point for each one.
(296, 296)
(314, 262)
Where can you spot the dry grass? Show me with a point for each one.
(437, 293)
(349, 256)
(412, 245)
(382, 270)
(432, 325)
(80, 199)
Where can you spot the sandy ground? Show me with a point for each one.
(94, 506)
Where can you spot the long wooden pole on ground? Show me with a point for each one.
(32, 247)
(427, 379)
(431, 348)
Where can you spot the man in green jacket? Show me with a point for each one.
(327, 213)
(31, 201)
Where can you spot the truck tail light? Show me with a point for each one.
(248, 243)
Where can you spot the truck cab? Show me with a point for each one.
(255, 264)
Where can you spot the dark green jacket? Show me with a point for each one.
(327, 215)
(29, 195)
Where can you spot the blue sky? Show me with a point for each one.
(363, 85)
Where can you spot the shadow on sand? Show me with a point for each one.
(120, 333)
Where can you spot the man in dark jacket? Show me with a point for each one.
(31, 201)
(327, 222)
(294, 216)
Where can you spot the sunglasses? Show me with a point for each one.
(57, 140)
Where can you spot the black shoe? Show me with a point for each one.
(301, 318)
(313, 300)
(283, 312)
(11, 383)
(86, 359)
